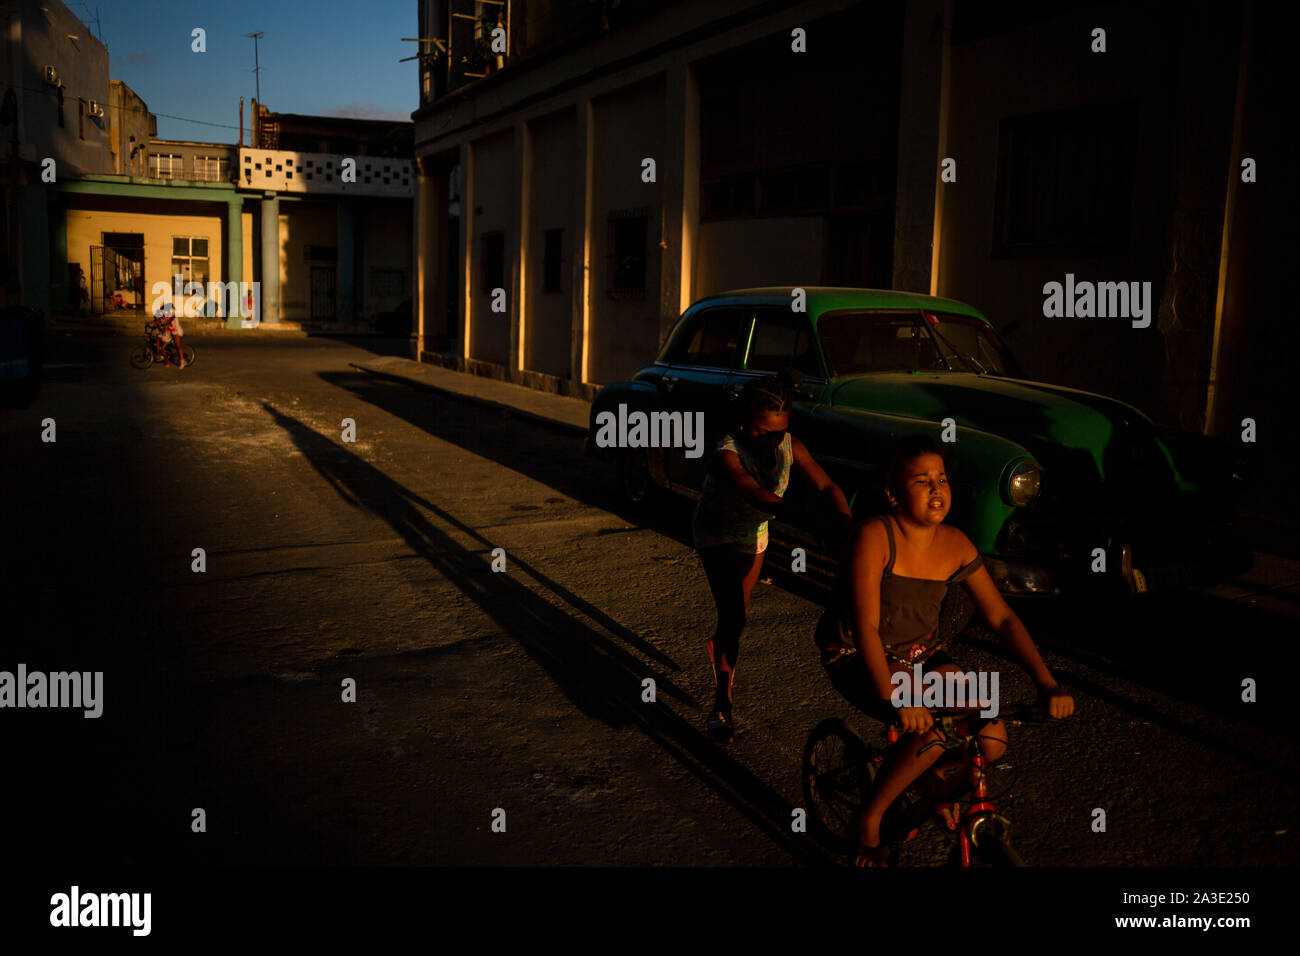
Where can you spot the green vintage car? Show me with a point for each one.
(1046, 480)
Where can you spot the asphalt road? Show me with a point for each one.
(519, 691)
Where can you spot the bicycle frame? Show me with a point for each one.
(980, 808)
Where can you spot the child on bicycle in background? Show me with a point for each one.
(893, 578)
(744, 487)
(168, 329)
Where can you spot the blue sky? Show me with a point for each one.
(326, 57)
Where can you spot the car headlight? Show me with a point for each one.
(1023, 485)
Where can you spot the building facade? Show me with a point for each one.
(612, 165)
(100, 212)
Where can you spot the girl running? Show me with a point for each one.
(744, 487)
(896, 573)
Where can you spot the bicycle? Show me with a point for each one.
(839, 769)
(155, 350)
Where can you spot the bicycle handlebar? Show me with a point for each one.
(946, 721)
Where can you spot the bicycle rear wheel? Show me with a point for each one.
(142, 357)
(837, 772)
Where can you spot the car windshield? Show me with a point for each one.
(970, 344)
(910, 341)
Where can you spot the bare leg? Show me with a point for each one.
(731, 577)
(906, 764)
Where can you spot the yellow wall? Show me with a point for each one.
(301, 225)
(86, 228)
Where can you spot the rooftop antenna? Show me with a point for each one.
(99, 31)
(257, 68)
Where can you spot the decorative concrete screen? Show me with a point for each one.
(291, 172)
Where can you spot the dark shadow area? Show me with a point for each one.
(396, 345)
(1182, 646)
(85, 588)
(595, 673)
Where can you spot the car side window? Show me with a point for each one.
(712, 339)
(877, 341)
(782, 339)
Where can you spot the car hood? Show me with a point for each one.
(1052, 422)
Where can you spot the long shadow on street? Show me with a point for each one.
(596, 674)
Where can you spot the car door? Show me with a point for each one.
(698, 380)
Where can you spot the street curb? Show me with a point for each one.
(478, 400)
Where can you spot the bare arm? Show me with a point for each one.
(727, 465)
(814, 472)
(1011, 629)
(868, 551)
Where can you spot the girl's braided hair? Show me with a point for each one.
(772, 393)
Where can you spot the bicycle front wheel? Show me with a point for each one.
(993, 844)
(142, 357)
(837, 773)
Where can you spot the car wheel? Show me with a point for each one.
(635, 486)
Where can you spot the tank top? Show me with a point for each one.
(724, 515)
(909, 607)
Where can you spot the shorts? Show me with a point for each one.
(706, 536)
(849, 676)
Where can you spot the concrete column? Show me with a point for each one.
(59, 290)
(921, 136)
(270, 257)
(520, 226)
(430, 245)
(584, 138)
(234, 260)
(347, 261)
(35, 234)
(466, 247)
(679, 167)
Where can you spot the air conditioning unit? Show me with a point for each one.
(51, 76)
(94, 109)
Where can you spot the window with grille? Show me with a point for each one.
(166, 166)
(388, 283)
(190, 259)
(211, 169)
(552, 260)
(492, 262)
(1065, 182)
(626, 271)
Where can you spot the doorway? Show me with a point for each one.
(323, 304)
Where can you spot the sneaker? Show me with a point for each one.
(721, 727)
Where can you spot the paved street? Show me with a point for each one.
(519, 690)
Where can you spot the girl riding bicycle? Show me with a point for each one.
(893, 578)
